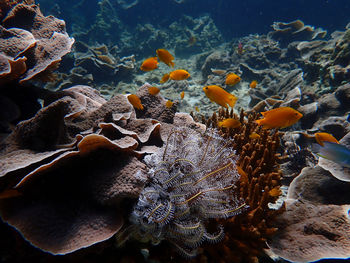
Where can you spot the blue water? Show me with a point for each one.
(233, 18)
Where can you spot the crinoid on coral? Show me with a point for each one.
(259, 186)
(193, 179)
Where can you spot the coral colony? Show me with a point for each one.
(192, 179)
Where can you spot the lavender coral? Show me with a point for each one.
(192, 179)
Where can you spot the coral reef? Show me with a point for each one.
(286, 33)
(95, 66)
(61, 136)
(259, 186)
(315, 224)
(78, 126)
(31, 43)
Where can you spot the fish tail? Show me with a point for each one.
(232, 101)
(172, 64)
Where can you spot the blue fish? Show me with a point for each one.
(333, 151)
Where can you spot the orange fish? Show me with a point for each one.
(324, 137)
(220, 96)
(253, 84)
(169, 104)
(254, 135)
(232, 79)
(279, 118)
(179, 74)
(165, 78)
(182, 95)
(276, 191)
(153, 90)
(149, 64)
(165, 57)
(229, 123)
(135, 101)
(196, 109)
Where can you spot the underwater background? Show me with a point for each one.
(233, 18)
(174, 131)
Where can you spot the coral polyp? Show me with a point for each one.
(192, 180)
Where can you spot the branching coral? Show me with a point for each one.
(193, 178)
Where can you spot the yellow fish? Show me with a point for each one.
(253, 84)
(135, 101)
(149, 64)
(179, 74)
(254, 135)
(196, 109)
(169, 104)
(165, 78)
(182, 95)
(165, 57)
(229, 123)
(220, 96)
(324, 137)
(279, 118)
(153, 90)
(232, 79)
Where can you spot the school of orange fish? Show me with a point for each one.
(278, 118)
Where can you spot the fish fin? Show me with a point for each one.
(172, 64)
(259, 122)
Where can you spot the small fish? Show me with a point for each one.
(324, 137)
(182, 95)
(279, 118)
(165, 78)
(149, 64)
(253, 84)
(254, 135)
(135, 101)
(232, 79)
(276, 191)
(153, 90)
(218, 71)
(169, 104)
(220, 96)
(179, 74)
(335, 152)
(240, 49)
(165, 57)
(229, 123)
(196, 109)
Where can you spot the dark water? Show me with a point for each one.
(233, 18)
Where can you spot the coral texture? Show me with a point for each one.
(30, 42)
(316, 222)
